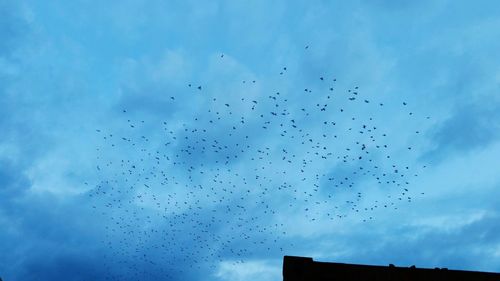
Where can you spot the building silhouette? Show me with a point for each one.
(305, 269)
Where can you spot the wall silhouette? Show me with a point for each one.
(305, 269)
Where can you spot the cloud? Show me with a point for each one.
(469, 128)
(63, 267)
(13, 183)
(69, 69)
(13, 27)
(249, 270)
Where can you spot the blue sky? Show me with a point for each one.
(69, 70)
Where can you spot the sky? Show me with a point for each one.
(204, 140)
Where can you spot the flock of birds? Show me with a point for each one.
(231, 178)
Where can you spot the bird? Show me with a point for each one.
(201, 184)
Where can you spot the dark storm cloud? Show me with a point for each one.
(74, 265)
(43, 243)
(66, 246)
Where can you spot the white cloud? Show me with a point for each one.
(262, 270)
(448, 222)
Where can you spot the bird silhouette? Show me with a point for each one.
(205, 185)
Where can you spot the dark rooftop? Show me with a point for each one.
(305, 269)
